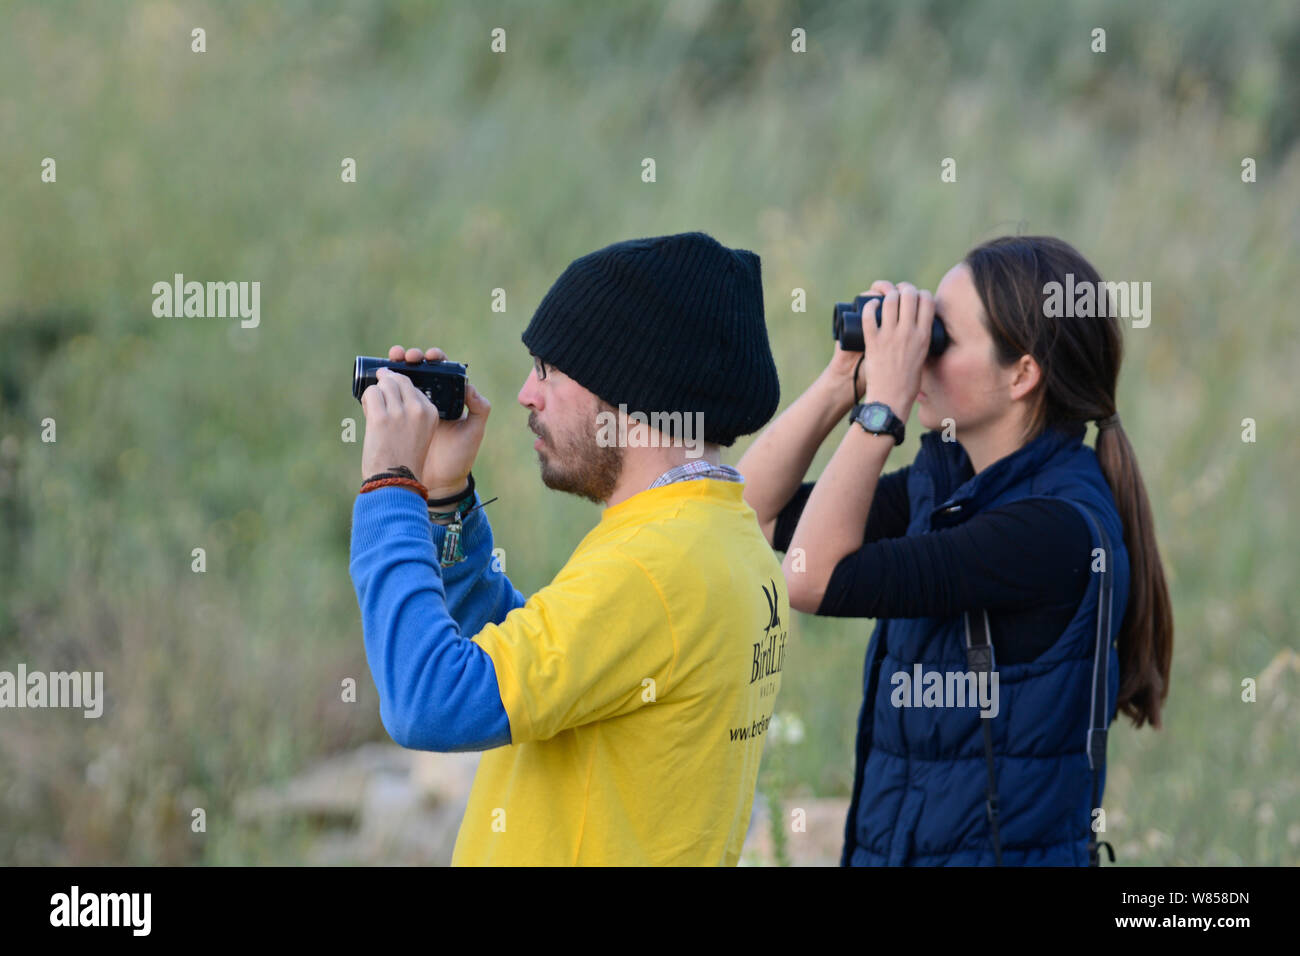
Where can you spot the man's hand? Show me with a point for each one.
(400, 422)
(445, 465)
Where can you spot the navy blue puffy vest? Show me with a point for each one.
(919, 793)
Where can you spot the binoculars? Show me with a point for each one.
(443, 383)
(846, 325)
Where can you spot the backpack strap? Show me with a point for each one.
(1098, 718)
(979, 660)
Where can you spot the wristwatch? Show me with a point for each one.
(879, 419)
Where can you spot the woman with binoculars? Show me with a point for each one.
(1008, 554)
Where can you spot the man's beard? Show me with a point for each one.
(581, 466)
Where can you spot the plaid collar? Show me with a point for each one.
(693, 470)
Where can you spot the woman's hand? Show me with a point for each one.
(898, 349)
(842, 363)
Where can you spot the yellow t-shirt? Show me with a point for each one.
(638, 685)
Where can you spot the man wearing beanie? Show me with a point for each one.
(622, 707)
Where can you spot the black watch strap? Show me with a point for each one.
(878, 419)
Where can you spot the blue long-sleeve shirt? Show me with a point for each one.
(437, 689)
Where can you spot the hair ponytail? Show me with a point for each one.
(1146, 637)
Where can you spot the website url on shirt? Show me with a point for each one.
(753, 730)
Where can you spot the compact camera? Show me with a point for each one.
(443, 383)
(846, 325)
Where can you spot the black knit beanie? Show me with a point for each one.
(664, 324)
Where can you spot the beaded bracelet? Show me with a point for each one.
(463, 507)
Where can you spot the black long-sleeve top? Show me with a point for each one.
(1026, 563)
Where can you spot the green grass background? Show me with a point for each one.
(479, 171)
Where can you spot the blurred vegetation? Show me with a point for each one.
(479, 171)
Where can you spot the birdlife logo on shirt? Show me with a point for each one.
(769, 651)
(923, 688)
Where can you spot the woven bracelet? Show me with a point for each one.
(394, 481)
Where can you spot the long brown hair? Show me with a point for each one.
(1080, 359)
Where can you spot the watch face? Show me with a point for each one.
(877, 417)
